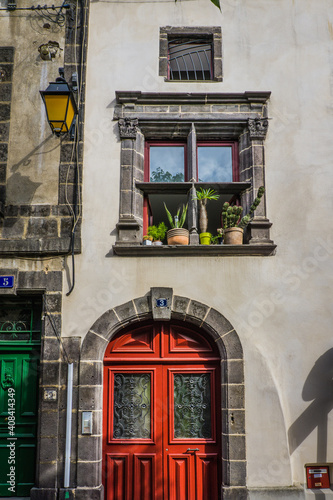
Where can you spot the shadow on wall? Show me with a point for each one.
(318, 388)
(20, 185)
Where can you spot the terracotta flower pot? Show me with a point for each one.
(233, 236)
(178, 236)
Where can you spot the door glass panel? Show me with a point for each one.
(215, 163)
(131, 413)
(192, 406)
(167, 164)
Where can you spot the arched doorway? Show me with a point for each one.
(161, 414)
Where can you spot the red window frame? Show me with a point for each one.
(234, 155)
(148, 144)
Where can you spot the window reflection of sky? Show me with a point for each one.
(166, 160)
(215, 163)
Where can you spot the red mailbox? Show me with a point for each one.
(317, 476)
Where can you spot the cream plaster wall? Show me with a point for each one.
(281, 305)
(33, 163)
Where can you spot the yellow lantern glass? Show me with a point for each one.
(60, 106)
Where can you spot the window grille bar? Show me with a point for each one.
(188, 58)
(195, 73)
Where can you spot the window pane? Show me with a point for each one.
(131, 414)
(215, 163)
(166, 163)
(192, 406)
(190, 60)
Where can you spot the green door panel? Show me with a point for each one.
(18, 398)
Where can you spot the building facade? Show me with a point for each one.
(195, 371)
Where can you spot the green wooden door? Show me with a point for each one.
(20, 332)
(18, 422)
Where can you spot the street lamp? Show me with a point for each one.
(60, 105)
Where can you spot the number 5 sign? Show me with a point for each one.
(6, 281)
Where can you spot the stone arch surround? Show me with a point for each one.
(218, 328)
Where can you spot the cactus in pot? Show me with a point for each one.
(232, 221)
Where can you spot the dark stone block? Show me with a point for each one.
(2, 197)
(236, 398)
(4, 132)
(72, 53)
(66, 226)
(126, 203)
(143, 306)
(51, 349)
(237, 473)
(3, 153)
(48, 449)
(105, 325)
(233, 421)
(126, 312)
(91, 373)
(237, 448)
(49, 423)
(236, 493)
(88, 474)
(93, 347)
(68, 173)
(51, 281)
(197, 310)
(66, 152)
(53, 302)
(6, 72)
(6, 54)
(45, 471)
(35, 210)
(50, 373)
(11, 210)
(90, 448)
(90, 398)
(179, 307)
(5, 92)
(233, 346)
(235, 372)
(12, 227)
(218, 322)
(3, 172)
(42, 227)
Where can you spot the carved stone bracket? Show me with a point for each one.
(257, 128)
(128, 127)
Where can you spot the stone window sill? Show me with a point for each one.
(248, 250)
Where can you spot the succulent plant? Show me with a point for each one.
(203, 196)
(178, 220)
(231, 215)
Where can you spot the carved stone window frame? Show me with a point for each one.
(211, 33)
(169, 116)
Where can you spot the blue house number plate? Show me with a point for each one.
(6, 281)
(161, 302)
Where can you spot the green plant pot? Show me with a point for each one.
(205, 238)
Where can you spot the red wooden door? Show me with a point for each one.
(161, 437)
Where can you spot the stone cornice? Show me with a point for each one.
(152, 98)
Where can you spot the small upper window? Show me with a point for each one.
(191, 54)
(190, 59)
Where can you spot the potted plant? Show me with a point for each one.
(233, 224)
(203, 196)
(177, 235)
(157, 233)
(147, 240)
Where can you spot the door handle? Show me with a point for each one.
(191, 449)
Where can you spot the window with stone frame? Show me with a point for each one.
(191, 53)
(168, 162)
(194, 123)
